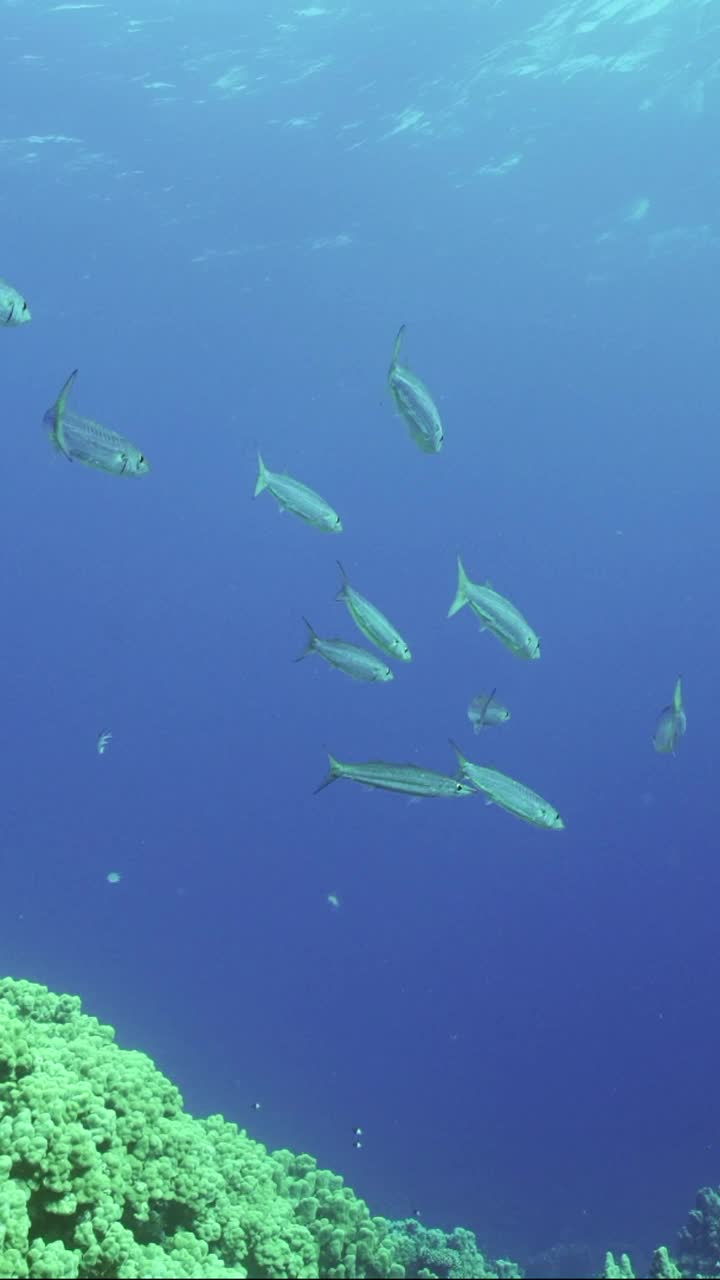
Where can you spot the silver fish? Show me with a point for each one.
(298, 498)
(410, 779)
(359, 664)
(509, 794)
(372, 622)
(83, 440)
(414, 403)
(14, 310)
(671, 724)
(497, 614)
(485, 710)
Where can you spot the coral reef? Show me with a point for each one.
(426, 1251)
(104, 1175)
(698, 1246)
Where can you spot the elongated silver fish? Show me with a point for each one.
(485, 710)
(497, 615)
(298, 498)
(14, 310)
(414, 403)
(409, 779)
(83, 440)
(359, 664)
(373, 624)
(671, 724)
(509, 794)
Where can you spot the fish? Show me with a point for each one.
(671, 725)
(497, 615)
(297, 498)
(414, 403)
(484, 710)
(102, 741)
(372, 622)
(509, 794)
(359, 664)
(409, 779)
(14, 310)
(81, 439)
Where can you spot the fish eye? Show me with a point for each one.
(459, 787)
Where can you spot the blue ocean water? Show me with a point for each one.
(221, 214)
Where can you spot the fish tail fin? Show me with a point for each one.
(343, 588)
(677, 696)
(262, 478)
(58, 411)
(310, 641)
(334, 772)
(461, 596)
(396, 349)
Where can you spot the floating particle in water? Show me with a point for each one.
(113, 877)
(334, 900)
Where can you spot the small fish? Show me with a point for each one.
(296, 497)
(102, 741)
(410, 779)
(509, 794)
(372, 622)
(14, 310)
(485, 710)
(83, 440)
(355, 662)
(497, 615)
(671, 724)
(414, 403)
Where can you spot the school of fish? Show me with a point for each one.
(82, 439)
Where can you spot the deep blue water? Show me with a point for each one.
(523, 1022)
